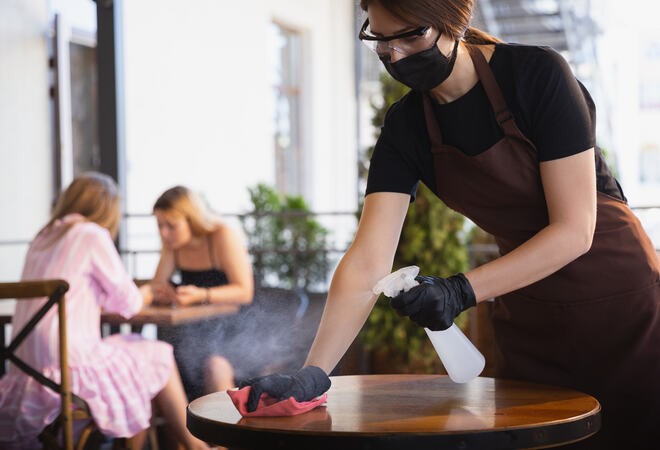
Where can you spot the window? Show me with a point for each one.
(649, 163)
(84, 107)
(285, 79)
(649, 86)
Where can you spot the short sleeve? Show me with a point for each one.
(119, 292)
(389, 171)
(562, 112)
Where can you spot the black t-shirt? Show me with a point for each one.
(551, 108)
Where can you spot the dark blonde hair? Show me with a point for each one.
(181, 201)
(94, 196)
(452, 17)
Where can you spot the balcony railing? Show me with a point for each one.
(141, 260)
(142, 244)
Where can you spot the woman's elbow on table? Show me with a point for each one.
(147, 294)
(242, 292)
(247, 294)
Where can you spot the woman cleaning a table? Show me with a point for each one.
(214, 266)
(504, 134)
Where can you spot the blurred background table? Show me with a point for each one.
(409, 411)
(165, 317)
(172, 315)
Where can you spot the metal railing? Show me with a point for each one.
(132, 255)
(336, 244)
(14, 242)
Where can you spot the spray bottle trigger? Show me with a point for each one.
(401, 280)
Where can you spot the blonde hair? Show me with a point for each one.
(94, 196)
(181, 201)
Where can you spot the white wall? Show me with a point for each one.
(199, 110)
(198, 106)
(25, 128)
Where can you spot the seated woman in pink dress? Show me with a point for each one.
(117, 376)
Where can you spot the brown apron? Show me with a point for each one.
(594, 325)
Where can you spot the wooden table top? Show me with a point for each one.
(159, 315)
(422, 411)
(172, 315)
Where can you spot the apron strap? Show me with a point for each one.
(503, 115)
(209, 241)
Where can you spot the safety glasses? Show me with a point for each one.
(406, 43)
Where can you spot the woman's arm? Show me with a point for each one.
(118, 291)
(229, 248)
(159, 286)
(570, 190)
(369, 258)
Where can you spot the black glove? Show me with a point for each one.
(307, 384)
(435, 302)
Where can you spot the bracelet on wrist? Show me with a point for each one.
(207, 299)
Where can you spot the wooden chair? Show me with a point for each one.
(50, 436)
(54, 290)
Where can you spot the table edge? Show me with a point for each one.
(548, 434)
(537, 436)
(170, 317)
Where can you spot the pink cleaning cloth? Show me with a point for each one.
(269, 406)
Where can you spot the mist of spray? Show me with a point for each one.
(270, 335)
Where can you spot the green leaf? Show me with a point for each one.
(294, 244)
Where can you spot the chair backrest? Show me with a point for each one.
(54, 290)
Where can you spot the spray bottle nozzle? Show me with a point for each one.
(401, 280)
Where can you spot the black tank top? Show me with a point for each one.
(202, 278)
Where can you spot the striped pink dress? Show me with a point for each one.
(118, 376)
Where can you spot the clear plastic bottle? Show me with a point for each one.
(460, 357)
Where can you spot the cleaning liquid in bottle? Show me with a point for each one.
(460, 357)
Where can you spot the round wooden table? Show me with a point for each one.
(409, 411)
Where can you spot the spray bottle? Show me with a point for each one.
(461, 359)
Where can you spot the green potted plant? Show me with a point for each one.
(288, 245)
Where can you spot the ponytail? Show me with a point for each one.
(478, 37)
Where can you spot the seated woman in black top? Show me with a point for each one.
(214, 267)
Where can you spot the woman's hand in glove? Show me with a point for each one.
(307, 384)
(435, 302)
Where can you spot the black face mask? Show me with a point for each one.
(424, 70)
